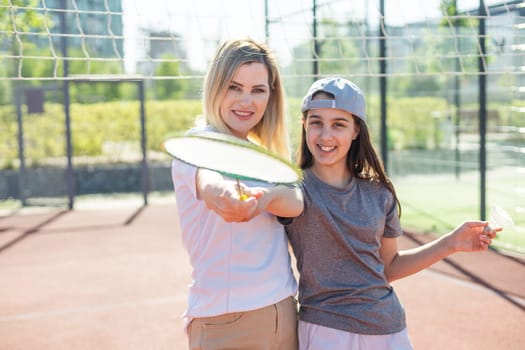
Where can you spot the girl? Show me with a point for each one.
(345, 239)
(242, 289)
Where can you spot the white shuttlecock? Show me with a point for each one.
(499, 218)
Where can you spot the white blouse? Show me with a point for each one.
(236, 266)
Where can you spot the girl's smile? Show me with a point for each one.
(329, 135)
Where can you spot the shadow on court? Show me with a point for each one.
(116, 278)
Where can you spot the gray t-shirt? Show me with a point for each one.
(336, 241)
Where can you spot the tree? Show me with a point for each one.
(451, 18)
(338, 54)
(169, 87)
(17, 18)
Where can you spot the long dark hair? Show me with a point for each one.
(362, 159)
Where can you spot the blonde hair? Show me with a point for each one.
(271, 132)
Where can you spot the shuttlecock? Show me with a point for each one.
(499, 218)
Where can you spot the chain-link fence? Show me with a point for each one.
(444, 82)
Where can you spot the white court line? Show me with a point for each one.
(91, 309)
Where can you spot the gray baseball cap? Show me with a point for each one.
(348, 96)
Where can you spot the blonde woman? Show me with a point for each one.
(242, 290)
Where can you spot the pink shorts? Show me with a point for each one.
(315, 337)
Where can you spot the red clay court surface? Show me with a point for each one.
(115, 278)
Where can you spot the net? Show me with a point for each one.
(434, 50)
(167, 40)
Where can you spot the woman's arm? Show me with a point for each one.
(222, 196)
(470, 236)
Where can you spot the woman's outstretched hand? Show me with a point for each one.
(225, 200)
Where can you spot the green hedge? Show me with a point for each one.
(410, 120)
(92, 125)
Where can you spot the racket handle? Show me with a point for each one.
(242, 196)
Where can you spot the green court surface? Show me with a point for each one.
(438, 203)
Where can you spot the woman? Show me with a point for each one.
(242, 290)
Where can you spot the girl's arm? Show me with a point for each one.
(468, 237)
(280, 200)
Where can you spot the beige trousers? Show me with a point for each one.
(272, 327)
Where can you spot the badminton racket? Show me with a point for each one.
(232, 157)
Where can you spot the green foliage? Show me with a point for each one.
(414, 123)
(5, 90)
(170, 88)
(294, 122)
(166, 118)
(415, 86)
(339, 55)
(24, 17)
(93, 126)
(338, 52)
(460, 40)
(15, 22)
(8, 137)
(450, 15)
